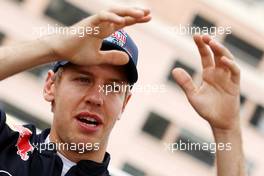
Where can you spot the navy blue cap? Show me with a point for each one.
(119, 40)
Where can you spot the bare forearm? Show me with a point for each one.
(230, 162)
(15, 59)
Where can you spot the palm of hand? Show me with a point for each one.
(217, 99)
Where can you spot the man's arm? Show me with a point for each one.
(79, 50)
(217, 101)
(230, 162)
(15, 59)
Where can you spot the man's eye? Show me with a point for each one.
(84, 80)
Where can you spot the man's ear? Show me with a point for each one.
(127, 98)
(49, 87)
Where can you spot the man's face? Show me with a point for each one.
(83, 113)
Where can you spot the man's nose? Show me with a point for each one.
(94, 96)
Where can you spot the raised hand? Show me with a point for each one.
(86, 50)
(217, 98)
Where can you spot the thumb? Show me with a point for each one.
(113, 57)
(184, 80)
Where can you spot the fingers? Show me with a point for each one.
(129, 11)
(113, 57)
(130, 21)
(218, 49)
(206, 56)
(123, 15)
(184, 80)
(132, 16)
(117, 18)
(223, 56)
(235, 76)
(107, 16)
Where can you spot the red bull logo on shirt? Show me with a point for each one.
(23, 144)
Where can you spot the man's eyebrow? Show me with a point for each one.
(84, 72)
(110, 80)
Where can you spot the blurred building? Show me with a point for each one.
(159, 115)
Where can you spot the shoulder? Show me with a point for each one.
(2, 116)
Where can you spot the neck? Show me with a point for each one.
(96, 156)
(76, 156)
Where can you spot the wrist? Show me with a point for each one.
(46, 43)
(225, 134)
(225, 125)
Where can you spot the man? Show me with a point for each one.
(85, 114)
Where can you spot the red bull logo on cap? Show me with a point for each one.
(23, 144)
(120, 37)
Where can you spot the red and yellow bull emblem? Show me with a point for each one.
(120, 37)
(23, 144)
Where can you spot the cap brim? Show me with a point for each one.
(130, 67)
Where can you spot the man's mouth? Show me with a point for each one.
(89, 122)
